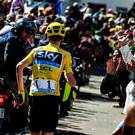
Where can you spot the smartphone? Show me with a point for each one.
(126, 53)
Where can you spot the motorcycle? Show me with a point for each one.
(13, 120)
(6, 106)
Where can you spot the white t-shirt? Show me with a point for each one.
(130, 95)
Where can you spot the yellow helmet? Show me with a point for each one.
(55, 28)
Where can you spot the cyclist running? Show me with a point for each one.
(48, 63)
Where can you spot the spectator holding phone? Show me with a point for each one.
(127, 126)
(116, 79)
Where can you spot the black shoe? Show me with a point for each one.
(118, 106)
(112, 95)
(121, 104)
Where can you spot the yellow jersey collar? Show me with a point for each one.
(50, 44)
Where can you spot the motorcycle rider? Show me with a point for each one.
(16, 49)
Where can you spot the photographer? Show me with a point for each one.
(116, 79)
(127, 126)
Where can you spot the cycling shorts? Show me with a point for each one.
(44, 113)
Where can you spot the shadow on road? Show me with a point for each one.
(83, 108)
(95, 85)
(94, 96)
(60, 132)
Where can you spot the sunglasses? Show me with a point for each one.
(117, 55)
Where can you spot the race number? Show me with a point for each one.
(43, 85)
(2, 112)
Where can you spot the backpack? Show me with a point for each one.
(5, 34)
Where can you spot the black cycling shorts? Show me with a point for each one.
(44, 113)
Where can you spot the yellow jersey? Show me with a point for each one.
(48, 63)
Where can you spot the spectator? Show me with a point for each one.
(116, 78)
(127, 126)
(16, 5)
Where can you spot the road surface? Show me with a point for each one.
(92, 113)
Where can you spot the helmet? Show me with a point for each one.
(26, 24)
(75, 4)
(60, 19)
(55, 28)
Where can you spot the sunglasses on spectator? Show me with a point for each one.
(117, 55)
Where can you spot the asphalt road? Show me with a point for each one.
(92, 113)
